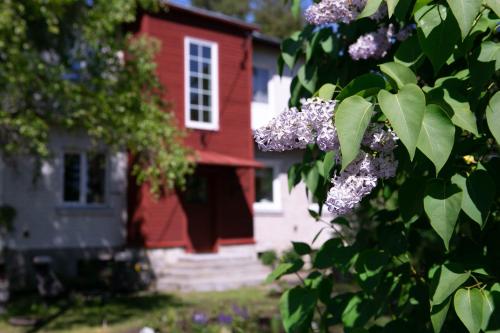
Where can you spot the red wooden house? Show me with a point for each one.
(205, 63)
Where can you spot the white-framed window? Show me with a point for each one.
(84, 178)
(201, 85)
(267, 188)
(260, 81)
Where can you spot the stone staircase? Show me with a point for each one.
(212, 272)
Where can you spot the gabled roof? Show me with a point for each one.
(214, 16)
(266, 39)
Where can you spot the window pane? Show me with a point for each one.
(194, 82)
(194, 99)
(206, 84)
(193, 49)
(205, 68)
(71, 178)
(207, 116)
(206, 100)
(264, 185)
(260, 80)
(96, 177)
(193, 115)
(206, 52)
(193, 66)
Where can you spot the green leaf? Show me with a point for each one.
(391, 5)
(493, 116)
(297, 308)
(284, 269)
(465, 12)
(369, 265)
(324, 258)
(495, 5)
(364, 85)
(308, 77)
(326, 91)
(490, 51)
(438, 314)
(301, 248)
(409, 52)
(436, 27)
(400, 74)
(328, 163)
(419, 4)
(351, 119)
(450, 279)
(436, 136)
(289, 49)
(471, 308)
(478, 194)
(442, 205)
(488, 308)
(311, 178)
(405, 110)
(357, 313)
(294, 177)
(371, 8)
(296, 8)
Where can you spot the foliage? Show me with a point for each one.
(68, 65)
(269, 258)
(261, 12)
(249, 310)
(425, 251)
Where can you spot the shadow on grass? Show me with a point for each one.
(80, 310)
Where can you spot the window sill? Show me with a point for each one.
(202, 126)
(265, 209)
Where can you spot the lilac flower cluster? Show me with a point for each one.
(361, 175)
(376, 44)
(294, 129)
(336, 11)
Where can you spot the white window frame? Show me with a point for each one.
(214, 85)
(82, 202)
(276, 205)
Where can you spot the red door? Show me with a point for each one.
(198, 201)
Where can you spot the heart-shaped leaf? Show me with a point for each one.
(438, 314)
(297, 308)
(474, 308)
(405, 110)
(400, 74)
(436, 136)
(465, 12)
(371, 8)
(442, 205)
(351, 119)
(364, 85)
(450, 279)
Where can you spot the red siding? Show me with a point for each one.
(163, 222)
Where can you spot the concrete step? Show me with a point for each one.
(219, 283)
(212, 271)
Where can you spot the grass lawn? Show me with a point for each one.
(245, 310)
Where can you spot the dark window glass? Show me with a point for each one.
(264, 185)
(206, 84)
(260, 80)
(206, 116)
(206, 52)
(194, 99)
(194, 115)
(193, 66)
(96, 176)
(194, 82)
(72, 176)
(206, 100)
(193, 49)
(205, 68)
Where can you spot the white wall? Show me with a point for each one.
(278, 87)
(288, 220)
(42, 220)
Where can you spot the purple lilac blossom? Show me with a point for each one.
(241, 312)
(350, 186)
(376, 44)
(200, 318)
(294, 129)
(225, 319)
(339, 11)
